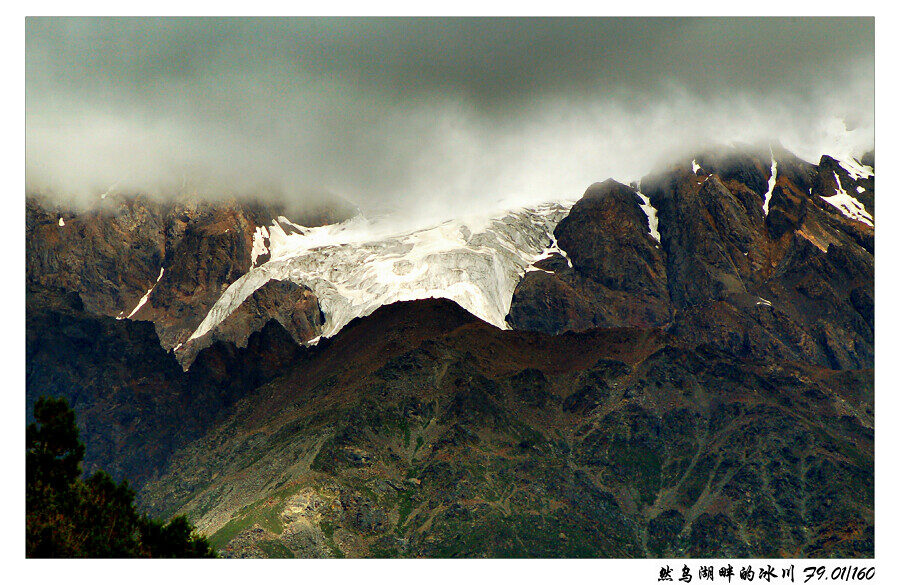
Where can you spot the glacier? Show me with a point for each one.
(358, 265)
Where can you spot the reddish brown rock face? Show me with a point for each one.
(545, 301)
(109, 255)
(185, 254)
(213, 252)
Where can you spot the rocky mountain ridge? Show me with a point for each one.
(688, 370)
(785, 259)
(142, 258)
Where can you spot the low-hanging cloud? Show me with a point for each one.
(426, 115)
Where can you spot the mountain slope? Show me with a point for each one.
(135, 405)
(444, 436)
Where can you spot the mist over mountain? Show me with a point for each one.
(426, 116)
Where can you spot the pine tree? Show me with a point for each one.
(70, 517)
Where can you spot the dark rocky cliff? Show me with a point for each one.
(800, 277)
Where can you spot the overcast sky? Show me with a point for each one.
(428, 114)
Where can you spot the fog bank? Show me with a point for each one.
(429, 116)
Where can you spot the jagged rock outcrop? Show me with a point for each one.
(214, 251)
(791, 273)
(293, 306)
(617, 275)
(233, 370)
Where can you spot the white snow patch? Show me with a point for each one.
(177, 347)
(849, 205)
(860, 189)
(358, 265)
(260, 235)
(536, 269)
(695, 166)
(147, 294)
(62, 223)
(856, 169)
(763, 302)
(650, 211)
(773, 175)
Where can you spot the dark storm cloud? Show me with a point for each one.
(388, 111)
